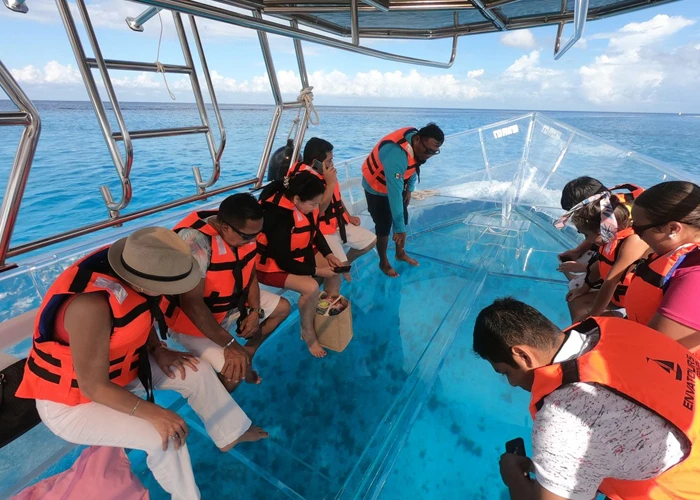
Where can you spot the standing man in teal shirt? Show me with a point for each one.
(390, 174)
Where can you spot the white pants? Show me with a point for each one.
(358, 238)
(210, 351)
(96, 424)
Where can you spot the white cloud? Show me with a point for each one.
(527, 68)
(53, 73)
(29, 74)
(635, 69)
(111, 14)
(472, 75)
(633, 36)
(142, 81)
(521, 39)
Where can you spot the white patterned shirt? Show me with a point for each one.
(585, 433)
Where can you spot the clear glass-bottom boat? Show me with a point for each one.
(407, 410)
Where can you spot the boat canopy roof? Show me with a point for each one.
(430, 19)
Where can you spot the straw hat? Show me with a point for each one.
(155, 259)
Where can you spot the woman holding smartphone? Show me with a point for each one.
(287, 246)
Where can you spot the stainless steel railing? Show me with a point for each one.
(27, 117)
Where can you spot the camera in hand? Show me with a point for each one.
(516, 446)
(342, 269)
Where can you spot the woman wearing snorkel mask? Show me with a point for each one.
(604, 221)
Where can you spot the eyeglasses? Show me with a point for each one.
(245, 236)
(639, 229)
(428, 151)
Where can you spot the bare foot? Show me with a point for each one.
(254, 433)
(312, 343)
(388, 270)
(404, 257)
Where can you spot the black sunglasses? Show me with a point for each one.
(431, 152)
(639, 229)
(245, 236)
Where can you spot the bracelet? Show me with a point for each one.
(159, 345)
(133, 410)
(230, 342)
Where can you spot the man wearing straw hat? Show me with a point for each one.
(95, 349)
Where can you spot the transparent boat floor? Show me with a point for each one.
(407, 391)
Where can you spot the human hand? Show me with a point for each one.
(325, 272)
(399, 239)
(354, 220)
(407, 197)
(166, 359)
(569, 255)
(334, 261)
(236, 363)
(250, 325)
(330, 175)
(170, 426)
(515, 469)
(577, 292)
(572, 267)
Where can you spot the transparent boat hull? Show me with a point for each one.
(407, 409)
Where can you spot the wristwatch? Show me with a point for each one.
(261, 312)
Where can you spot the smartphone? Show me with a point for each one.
(317, 166)
(342, 269)
(516, 446)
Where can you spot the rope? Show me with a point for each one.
(159, 66)
(307, 97)
(421, 195)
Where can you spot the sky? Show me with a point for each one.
(644, 61)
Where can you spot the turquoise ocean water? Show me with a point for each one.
(72, 160)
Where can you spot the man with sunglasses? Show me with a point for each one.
(228, 297)
(390, 174)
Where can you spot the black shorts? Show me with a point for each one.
(379, 209)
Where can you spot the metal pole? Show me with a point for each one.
(268, 145)
(489, 14)
(19, 174)
(82, 231)
(377, 5)
(301, 62)
(269, 62)
(580, 14)
(276, 94)
(199, 99)
(210, 87)
(257, 23)
(354, 23)
(123, 168)
(136, 23)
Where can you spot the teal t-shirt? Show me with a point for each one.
(395, 162)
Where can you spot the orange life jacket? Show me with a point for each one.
(651, 277)
(373, 170)
(607, 257)
(227, 281)
(303, 233)
(334, 218)
(632, 192)
(49, 373)
(651, 370)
